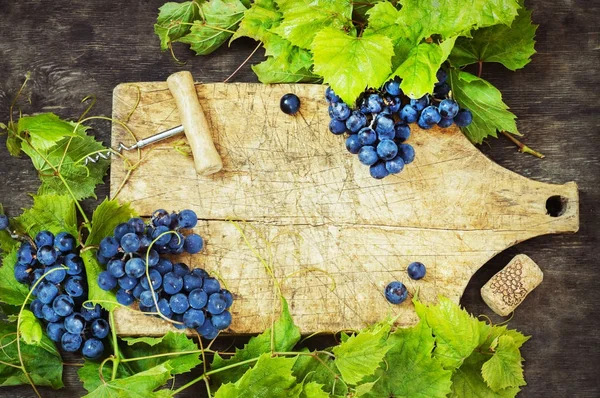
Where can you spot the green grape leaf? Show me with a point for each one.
(361, 9)
(467, 382)
(411, 371)
(67, 157)
(171, 342)
(301, 20)
(271, 376)
(504, 369)
(174, 21)
(313, 390)
(106, 217)
(89, 374)
(386, 20)
(51, 212)
(262, 16)
(7, 243)
(418, 72)
(360, 355)
(321, 371)
(30, 328)
(449, 18)
(455, 330)
(138, 385)
(350, 64)
(484, 101)
(285, 337)
(42, 360)
(219, 18)
(45, 130)
(11, 291)
(512, 46)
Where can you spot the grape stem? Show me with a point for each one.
(243, 63)
(522, 147)
(117, 356)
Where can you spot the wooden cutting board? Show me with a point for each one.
(333, 235)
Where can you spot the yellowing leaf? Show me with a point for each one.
(258, 20)
(504, 369)
(30, 328)
(350, 64)
(484, 101)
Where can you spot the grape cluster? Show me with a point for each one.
(378, 127)
(190, 297)
(55, 273)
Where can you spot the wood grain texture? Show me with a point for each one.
(76, 48)
(315, 207)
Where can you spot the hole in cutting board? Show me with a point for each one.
(556, 205)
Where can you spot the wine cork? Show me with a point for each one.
(506, 290)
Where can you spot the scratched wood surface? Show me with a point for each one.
(335, 235)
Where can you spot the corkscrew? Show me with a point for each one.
(138, 145)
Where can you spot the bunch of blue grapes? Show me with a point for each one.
(378, 127)
(55, 273)
(138, 269)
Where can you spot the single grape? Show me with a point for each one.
(22, 273)
(121, 230)
(421, 103)
(416, 270)
(339, 111)
(26, 254)
(89, 314)
(395, 292)
(3, 222)
(58, 274)
(125, 297)
(37, 275)
(164, 266)
(161, 217)
(228, 297)
(75, 323)
(207, 330)
(191, 282)
(368, 155)
(200, 273)
(101, 259)
(337, 127)
(74, 263)
(406, 152)
(395, 166)
(353, 144)
(174, 221)
(176, 243)
(463, 118)
(130, 243)
(387, 149)
(147, 298)
(155, 278)
(109, 247)
(211, 285)
(172, 283)
(431, 115)
(49, 314)
(198, 299)
(135, 267)
(331, 96)
(448, 109)
(127, 282)
(441, 91)
(289, 104)
(145, 241)
(47, 292)
(164, 308)
(394, 103)
(137, 224)
(181, 269)
(445, 123)
(44, 238)
(71, 342)
(161, 240)
(409, 114)
(36, 307)
(393, 87)
(384, 126)
(373, 103)
(402, 131)
(138, 290)
(193, 318)
(356, 121)
(367, 136)
(55, 331)
(187, 219)
(221, 321)
(64, 242)
(441, 76)
(116, 267)
(217, 303)
(378, 170)
(92, 349)
(193, 243)
(47, 255)
(100, 328)
(106, 281)
(63, 305)
(179, 303)
(75, 286)
(423, 124)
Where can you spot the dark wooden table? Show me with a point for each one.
(76, 48)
